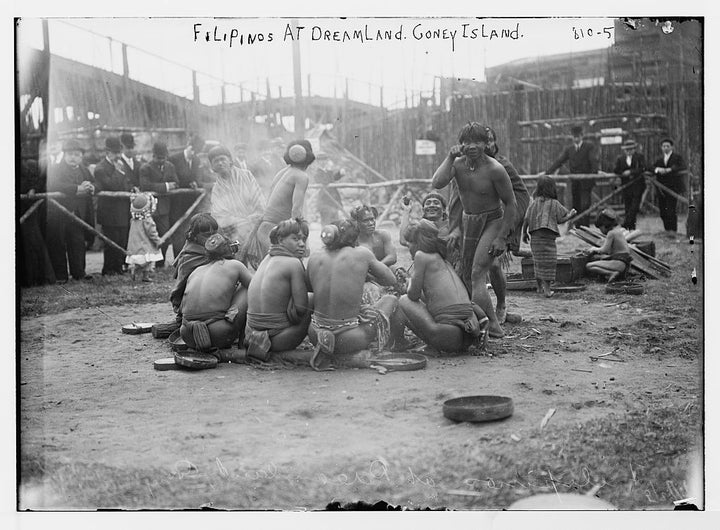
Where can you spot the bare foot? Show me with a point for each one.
(501, 313)
(495, 331)
(549, 294)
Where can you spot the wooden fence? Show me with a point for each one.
(646, 114)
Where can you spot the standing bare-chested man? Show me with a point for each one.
(278, 308)
(341, 323)
(287, 192)
(484, 188)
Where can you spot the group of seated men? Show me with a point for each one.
(332, 300)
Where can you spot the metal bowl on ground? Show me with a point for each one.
(137, 327)
(176, 342)
(398, 362)
(478, 408)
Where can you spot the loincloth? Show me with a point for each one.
(625, 257)
(329, 328)
(460, 315)
(260, 327)
(473, 227)
(197, 326)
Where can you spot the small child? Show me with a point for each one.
(542, 218)
(613, 258)
(143, 239)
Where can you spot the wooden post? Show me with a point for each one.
(167, 235)
(45, 79)
(665, 189)
(196, 88)
(297, 85)
(126, 65)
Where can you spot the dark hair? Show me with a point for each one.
(606, 218)
(309, 155)
(339, 234)
(424, 234)
(576, 130)
(668, 140)
(201, 224)
(494, 150)
(545, 187)
(473, 132)
(288, 227)
(356, 212)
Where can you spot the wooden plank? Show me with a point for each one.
(638, 262)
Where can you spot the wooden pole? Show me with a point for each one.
(30, 211)
(75, 219)
(670, 192)
(394, 198)
(167, 235)
(603, 201)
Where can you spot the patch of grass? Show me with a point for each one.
(103, 290)
(638, 460)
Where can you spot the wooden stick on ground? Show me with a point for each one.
(167, 235)
(30, 210)
(75, 219)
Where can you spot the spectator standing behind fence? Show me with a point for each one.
(159, 176)
(542, 218)
(190, 175)
(669, 171)
(143, 240)
(113, 213)
(630, 166)
(128, 158)
(65, 238)
(36, 266)
(582, 158)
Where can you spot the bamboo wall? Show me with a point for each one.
(645, 114)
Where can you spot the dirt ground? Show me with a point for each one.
(89, 395)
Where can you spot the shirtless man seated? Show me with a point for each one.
(613, 258)
(214, 305)
(437, 306)
(278, 309)
(379, 242)
(340, 323)
(489, 206)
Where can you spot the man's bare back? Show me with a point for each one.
(278, 280)
(287, 194)
(211, 287)
(337, 277)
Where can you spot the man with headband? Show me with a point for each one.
(444, 318)
(340, 323)
(287, 194)
(278, 308)
(214, 304)
(489, 206)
